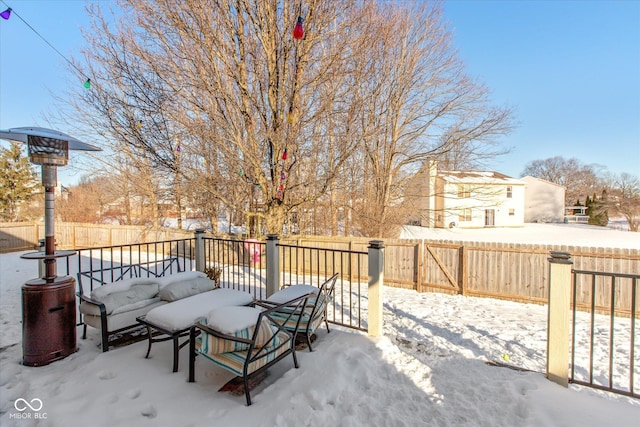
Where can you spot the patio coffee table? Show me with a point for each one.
(173, 320)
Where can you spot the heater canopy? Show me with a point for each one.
(46, 146)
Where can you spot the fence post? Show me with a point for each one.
(199, 250)
(273, 264)
(560, 266)
(376, 283)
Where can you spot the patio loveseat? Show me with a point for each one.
(114, 307)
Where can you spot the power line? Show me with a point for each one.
(13, 12)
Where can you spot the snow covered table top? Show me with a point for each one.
(182, 314)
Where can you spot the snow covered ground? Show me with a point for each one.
(561, 234)
(428, 369)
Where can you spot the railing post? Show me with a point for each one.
(199, 250)
(558, 319)
(273, 264)
(376, 283)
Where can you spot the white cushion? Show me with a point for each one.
(132, 295)
(181, 314)
(178, 277)
(229, 320)
(292, 292)
(186, 288)
(121, 285)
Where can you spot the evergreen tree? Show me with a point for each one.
(596, 209)
(17, 181)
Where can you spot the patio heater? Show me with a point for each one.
(48, 302)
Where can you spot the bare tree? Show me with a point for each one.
(623, 197)
(221, 98)
(419, 105)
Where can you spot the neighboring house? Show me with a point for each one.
(543, 200)
(466, 199)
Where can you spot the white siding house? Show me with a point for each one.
(543, 200)
(467, 199)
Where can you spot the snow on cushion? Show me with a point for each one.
(292, 292)
(178, 277)
(133, 295)
(182, 314)
(121, 285)
(186, 288)
(231, 319)
(238, 322)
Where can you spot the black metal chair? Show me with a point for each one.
(250, 350)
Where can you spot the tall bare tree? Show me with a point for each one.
(623, 197)
(419, 104)
(221, 94)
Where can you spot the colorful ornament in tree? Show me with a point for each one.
(284, 154)
(298, 30)
(282, 176)
(178, 148)
(139, 125)
(87, 84)
(6, 14)
(290, 116)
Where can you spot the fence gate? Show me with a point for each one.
(440, 267)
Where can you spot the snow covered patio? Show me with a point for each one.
(428, 369)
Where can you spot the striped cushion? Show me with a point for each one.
(306, 323)
(234, 361)
(210, 344)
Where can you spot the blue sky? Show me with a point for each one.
(569, 69)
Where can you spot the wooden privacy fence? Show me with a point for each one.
(513, 271)
(25, 236)
(517, 272)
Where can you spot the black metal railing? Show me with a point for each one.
(107, 264)
(242, 265)
(604, 334)
(309, 265)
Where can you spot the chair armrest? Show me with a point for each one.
(219, 334)
(265, 303)
(85, 298)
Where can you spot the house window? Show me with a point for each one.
(512, 212)
(464, 191)
(464, 215)
(509, 191)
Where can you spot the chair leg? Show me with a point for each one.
(84, 331)
(150, 342)
(309, 340)
(192, 354)
(295, 358)
(176, 353)
(246, 389)
(105, 337)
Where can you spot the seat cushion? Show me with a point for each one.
(121, 285)
(292, 292)
(182, 314)
(239, 322)
(117, 300)
(186, 288)
(234, 361)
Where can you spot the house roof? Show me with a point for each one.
(478, 177)
(533, 178)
